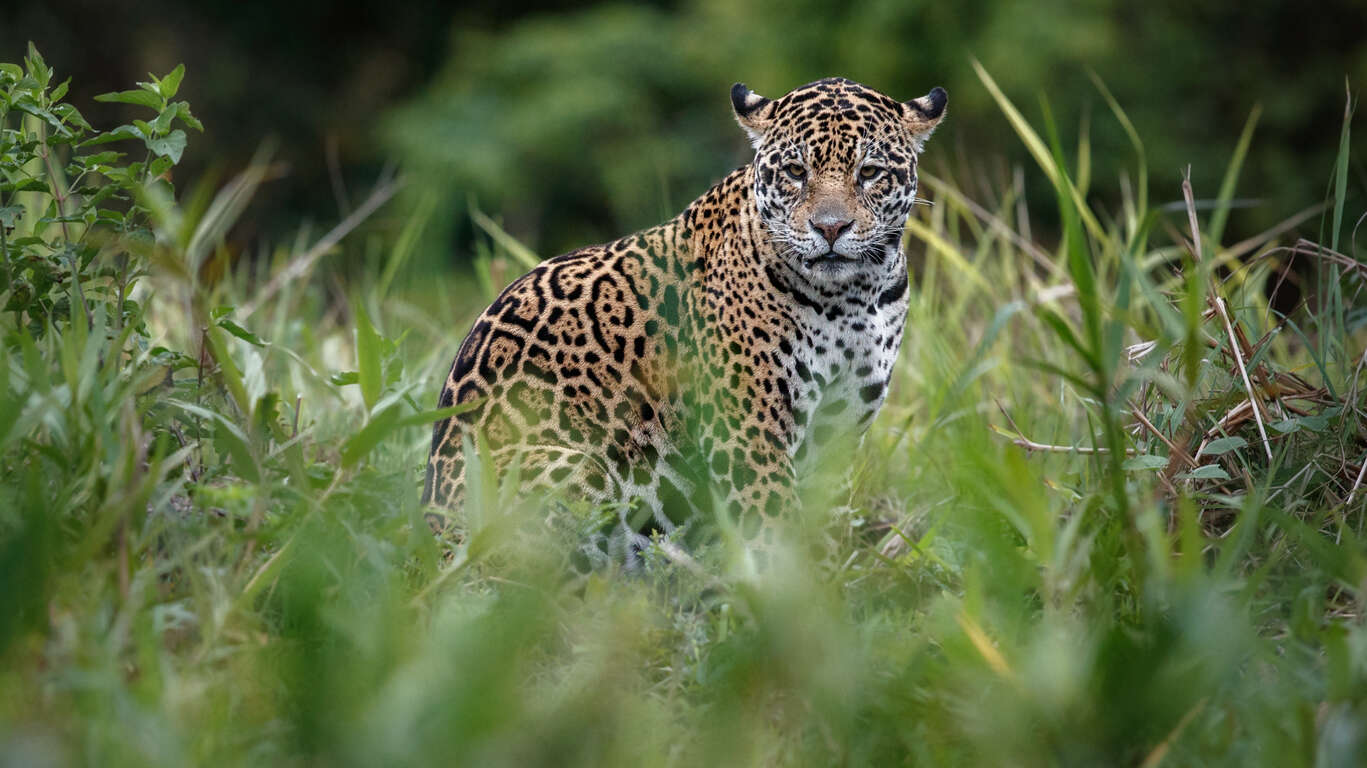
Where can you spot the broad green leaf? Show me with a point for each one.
(71, 115)
(122, 133)
(170, 145)
(1206, 472)
(1223, 445)
(171, 83)
(242, 333)
(1146, 461)
(27, 105)
(1314, 423)
(108, 156)
(27, 185)
(163, 122)
(183, 112)
(113, 217)
(159, 166)
(140, 98)
(37, 68)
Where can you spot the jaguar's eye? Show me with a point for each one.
(796, 171)
(869, 172)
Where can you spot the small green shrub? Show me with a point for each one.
(75, 211)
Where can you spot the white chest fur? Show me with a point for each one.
(843, 363)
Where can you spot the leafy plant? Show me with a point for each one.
(72, 211)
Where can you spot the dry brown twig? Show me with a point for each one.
(1357, 483)
(1017, 437)
(1173, 448)
(1353, 398)
(1219, 304)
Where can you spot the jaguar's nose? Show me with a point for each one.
(831, 227)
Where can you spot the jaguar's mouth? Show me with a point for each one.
(828, 260)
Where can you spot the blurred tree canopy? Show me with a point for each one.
(577, 125)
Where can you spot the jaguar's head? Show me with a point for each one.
(835, 171)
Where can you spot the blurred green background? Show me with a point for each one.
(578, 124)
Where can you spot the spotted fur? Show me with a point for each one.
(710, 357)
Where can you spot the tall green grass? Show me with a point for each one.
(211, 550)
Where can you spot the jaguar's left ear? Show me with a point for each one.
(923, 114)
(753, 112)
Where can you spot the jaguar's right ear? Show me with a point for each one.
(753, 112)
(923, 114)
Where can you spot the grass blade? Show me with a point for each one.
(1216, 228)
(1142, 195)
(515, 248)
(1039, 150)
(1341, 168)
(368, 366)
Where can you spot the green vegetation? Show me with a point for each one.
(587, 123)
(1068, 538)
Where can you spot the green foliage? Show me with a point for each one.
(212, 549)
(578, 125)
(65, 197)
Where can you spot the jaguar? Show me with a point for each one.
(700, 366)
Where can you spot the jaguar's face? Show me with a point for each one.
(835, 171)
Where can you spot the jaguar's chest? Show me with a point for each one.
(841, 364)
